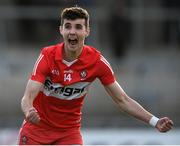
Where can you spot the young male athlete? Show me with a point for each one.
(59, 82)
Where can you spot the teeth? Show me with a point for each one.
(72, 39)
(73, 42)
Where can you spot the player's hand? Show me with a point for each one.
(33, 116)
(164, 124)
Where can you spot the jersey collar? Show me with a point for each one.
(59, 52)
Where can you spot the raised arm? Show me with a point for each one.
(32, 89)
(134, 109)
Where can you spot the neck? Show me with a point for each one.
(71, 55)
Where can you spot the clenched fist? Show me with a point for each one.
(164, 124)
(33, 116)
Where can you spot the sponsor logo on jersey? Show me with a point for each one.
(69, 92)
(68, 71)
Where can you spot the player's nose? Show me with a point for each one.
(72, 31)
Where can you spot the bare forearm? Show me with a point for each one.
(31, 92)
(26, 104)
(134, 109)
(126, 103)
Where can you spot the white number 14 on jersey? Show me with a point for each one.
(67, 77)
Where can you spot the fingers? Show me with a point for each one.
(171, 122)
(33, 116)
(168, 122)
(165, 128)
(165, 124)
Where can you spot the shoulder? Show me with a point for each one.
(50, 49)
(95, 54)
(91, 53)
(89, 56)
(53, 52)
(91, 50)
(104, 64)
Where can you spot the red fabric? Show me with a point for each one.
(63, 113)
(33, 134)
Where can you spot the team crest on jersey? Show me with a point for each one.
(83, 74)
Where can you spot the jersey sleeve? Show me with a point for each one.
(105, 72)
(41, 69)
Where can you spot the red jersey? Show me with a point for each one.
(66, 84)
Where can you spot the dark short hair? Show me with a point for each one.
(74, 13)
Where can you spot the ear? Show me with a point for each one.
(87, 31)
(60, 29)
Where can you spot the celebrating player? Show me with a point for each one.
(59, 82)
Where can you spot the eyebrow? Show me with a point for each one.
(67, 23)
(78, 24)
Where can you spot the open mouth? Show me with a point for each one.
(73, 41)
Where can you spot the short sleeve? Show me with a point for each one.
(41, 69)
(105, 72)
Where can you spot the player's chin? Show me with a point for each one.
(73, 47)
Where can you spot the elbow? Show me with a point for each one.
(121, 99)
(23, 101)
